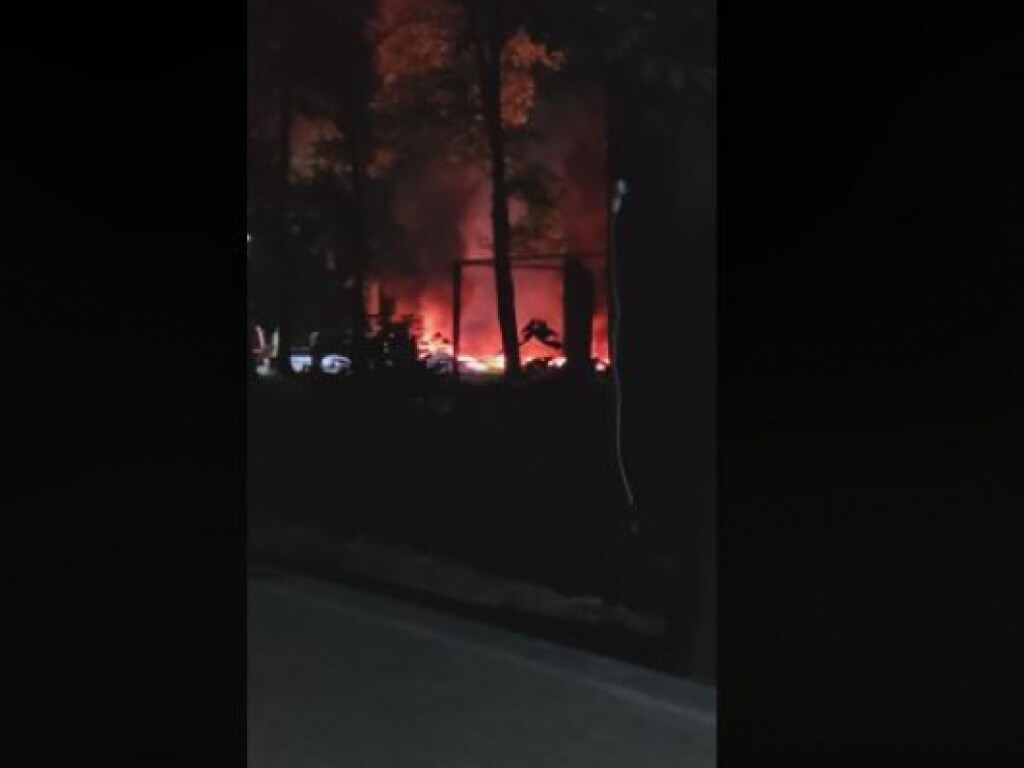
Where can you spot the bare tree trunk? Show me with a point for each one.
(360, 247)
(489, 40)
(280, 236)
(360, 148)
(578, 300)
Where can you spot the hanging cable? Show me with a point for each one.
(620, 192)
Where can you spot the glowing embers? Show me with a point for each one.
(470, 364)
(442, 362)
(494, 365)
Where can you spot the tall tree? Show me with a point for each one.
(463, 61)
(269, 126)
(656, 59)
(661, 73)
(488, 42)
(310, 63)
(353, 88)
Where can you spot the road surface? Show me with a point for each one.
(339, 677)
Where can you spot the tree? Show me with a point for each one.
(661, 83)
(656, 59)
(309, 60)
(269, 156)
(353, 86)
(462, 60)
(488, 40)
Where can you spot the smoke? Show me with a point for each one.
(572, 145)
(433, 200)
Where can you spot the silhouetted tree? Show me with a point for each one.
(310, 60)
(465, 62)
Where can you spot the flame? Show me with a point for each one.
(444, 211)
(538, 296)
(495, 364)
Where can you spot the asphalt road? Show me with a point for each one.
(339, 677)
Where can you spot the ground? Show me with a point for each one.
(505, 500)
(340, 677)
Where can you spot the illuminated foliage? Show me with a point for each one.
(412, 39)
(521, 56)
(427, 99)
(425, 68)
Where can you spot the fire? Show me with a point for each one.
(538, 295)
(444, 212)
(429, 299)
(496, 363)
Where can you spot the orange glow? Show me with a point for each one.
(417, 39)
(538, 296)
(443, 208)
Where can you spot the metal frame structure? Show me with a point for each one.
(548, 262)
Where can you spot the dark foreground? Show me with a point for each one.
(516, 482)
(337, 677)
